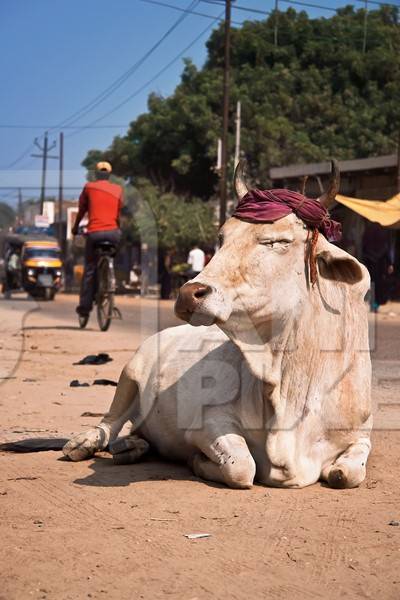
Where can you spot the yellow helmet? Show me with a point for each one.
(104, 166)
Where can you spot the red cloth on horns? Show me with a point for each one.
(264, 206)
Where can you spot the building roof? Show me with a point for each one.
(324, 168)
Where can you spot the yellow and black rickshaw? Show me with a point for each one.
(41, 268)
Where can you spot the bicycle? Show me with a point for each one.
(105, 287)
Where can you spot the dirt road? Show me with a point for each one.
(93, 530)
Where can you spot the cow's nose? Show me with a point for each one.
(189, 298)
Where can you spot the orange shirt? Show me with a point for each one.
(102, 201)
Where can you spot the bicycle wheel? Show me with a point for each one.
(105, 294)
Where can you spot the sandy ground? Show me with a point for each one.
(94, 530)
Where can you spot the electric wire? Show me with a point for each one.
(20, 157)
(199, 14)
(150, 81)
(77, 115)
(64, 127)
(125, 76)
(118, 82)
(238, 7)
(310, 5)
(379, 3)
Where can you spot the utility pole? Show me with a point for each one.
(276, 23)
(219, 155)
(44, 168)
(398, 164)
(238, 125)
(19, 213)
(45, 155)
(60, 190)
(365, 27)
(225, 119)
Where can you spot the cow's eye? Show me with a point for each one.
(276, 244)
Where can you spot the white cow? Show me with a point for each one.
(273, 383)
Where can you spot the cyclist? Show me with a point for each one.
(102, 201)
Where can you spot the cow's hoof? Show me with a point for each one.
(337, 479)
(85, 445)
(137, 448)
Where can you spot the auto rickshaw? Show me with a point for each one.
(41, 268)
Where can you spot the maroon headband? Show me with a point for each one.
(264, 206)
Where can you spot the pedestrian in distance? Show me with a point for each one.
(378, 258)
(196, 260)
(164, 273)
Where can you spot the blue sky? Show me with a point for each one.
(57, 56)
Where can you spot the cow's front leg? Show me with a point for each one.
(227, 460)
(350, 468)
(85, 444)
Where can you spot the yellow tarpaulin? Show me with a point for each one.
(382, 212)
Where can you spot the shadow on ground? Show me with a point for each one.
(58, 327)
(106, 474)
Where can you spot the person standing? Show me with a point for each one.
(102, 201)
(164, 273)
(196, 260)
(378, 258)
(12, 264)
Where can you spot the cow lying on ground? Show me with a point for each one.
(273, 384)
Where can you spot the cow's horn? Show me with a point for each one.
(328, 197)
(303, 184)
(239, 179)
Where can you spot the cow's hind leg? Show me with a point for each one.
(136, 447)
(349, 469)
(226, 460)
(85, 444)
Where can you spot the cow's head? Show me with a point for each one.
(259, 276)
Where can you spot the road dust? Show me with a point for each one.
(95, 530)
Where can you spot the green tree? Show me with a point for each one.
(7, 215)
(167, 220)
(313, 96)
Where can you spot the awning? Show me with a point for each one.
(383, 212)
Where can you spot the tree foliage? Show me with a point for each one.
(314, 95)
(7, 215)
(166, 220)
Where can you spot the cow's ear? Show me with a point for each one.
(337, 265)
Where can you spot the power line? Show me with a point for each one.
(238, 7)
(134, 94)
(25, 153)
(329, 7)
(131, 96)
(125, 76)
(64, 127)
(192, 12)
(150, 81)
(380, 3)
(36, 187)
(118, 82)
(310, 5)
(114, 86)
